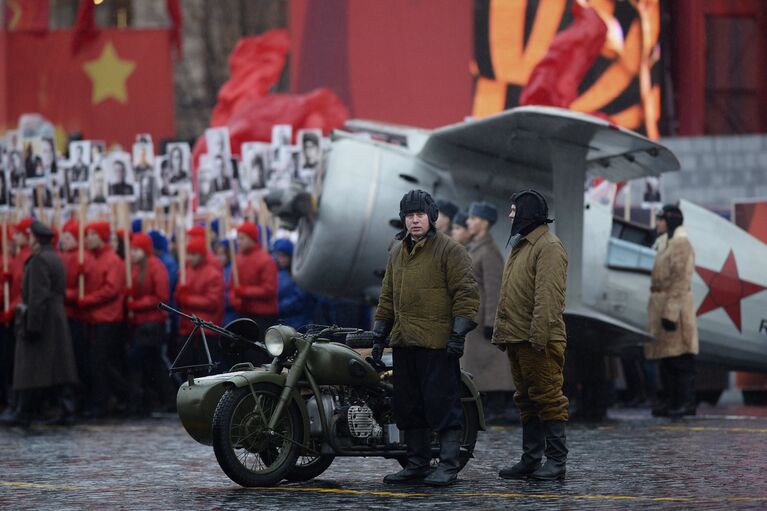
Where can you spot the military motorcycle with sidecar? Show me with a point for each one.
(318, 398)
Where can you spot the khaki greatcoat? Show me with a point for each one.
(44, 353)
(671, 298)
(486, 363)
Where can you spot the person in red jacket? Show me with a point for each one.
(21, 234)
(256, 295)
(150, 288)
(69, 244)
(103, 306)
(203, 296)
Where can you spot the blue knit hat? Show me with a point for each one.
(484, 210)
(283, 245)
(159, 241)
(135, 225)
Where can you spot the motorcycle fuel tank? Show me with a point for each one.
(337, 364)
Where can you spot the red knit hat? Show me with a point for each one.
(72, 227)
(196, 245)
(196, 231)
(250, 230)
(102, 229)
(24, 225)
(142, 241)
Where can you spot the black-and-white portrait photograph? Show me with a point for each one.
(255, 165)
(651, 195)
(204, 182)
(147, 190)
(98, 150)
(221, 174)
(282, 136)
(163, 177)
(12, 140)
(5, 196)
(35, 151)
(120, 177)
(179, 157)
(79, 163)
(98, 188)
(143, 157)
(310, 142)
(217, 140)
(15, 167)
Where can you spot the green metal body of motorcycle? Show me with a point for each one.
(318, 399)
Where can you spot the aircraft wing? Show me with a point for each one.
(550, 150)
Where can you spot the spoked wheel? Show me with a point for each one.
(309, 465)
(246, 449)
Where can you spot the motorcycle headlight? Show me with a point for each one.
(279, 339)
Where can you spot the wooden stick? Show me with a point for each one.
(39, 197)
(232, 254)
(126, 243)
(6, 287)
(81, 245)
(208, 228)
(263, 218)
(181, 245)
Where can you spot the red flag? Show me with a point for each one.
(27, 15)
(555, 80)
(85, 26)
(174, 11)
(119, 85)
(256, 64)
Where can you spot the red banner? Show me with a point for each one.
(29, 15)
(119, 85)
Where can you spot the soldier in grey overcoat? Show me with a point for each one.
(485, 362)
(45, 359)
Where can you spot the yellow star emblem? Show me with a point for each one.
(109, 73)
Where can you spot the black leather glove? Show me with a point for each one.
(381, 329)
(461, 327)
(668, 325)
(488, 332)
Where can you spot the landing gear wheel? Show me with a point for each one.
(246, 449)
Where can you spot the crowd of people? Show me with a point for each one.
(114, 359)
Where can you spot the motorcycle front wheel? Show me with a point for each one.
(309, 466)
(246, 449)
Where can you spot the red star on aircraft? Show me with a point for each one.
(726, 289)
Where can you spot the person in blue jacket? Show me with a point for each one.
(296, 306)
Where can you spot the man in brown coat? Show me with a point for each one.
(482, 359)
(529, 324)
(671, 316)
(45, 357)
(428, 304)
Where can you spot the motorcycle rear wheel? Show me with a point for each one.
(247, 451)
(309, 467)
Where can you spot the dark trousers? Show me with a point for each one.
(79, 333)
(7, 348)
(150, 383)
(107, 353)
(427, 390)
(677, 376)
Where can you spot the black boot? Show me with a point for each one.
(685, 395)
(418, 458)
(20, 416)
(446, 472)
(66, 413)
(556, 452)
(533, 443)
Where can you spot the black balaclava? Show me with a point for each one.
(673, 217)
(532, 211)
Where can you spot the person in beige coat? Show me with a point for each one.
(671, 316)
(482, 359)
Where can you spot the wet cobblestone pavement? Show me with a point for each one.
(632, 461)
